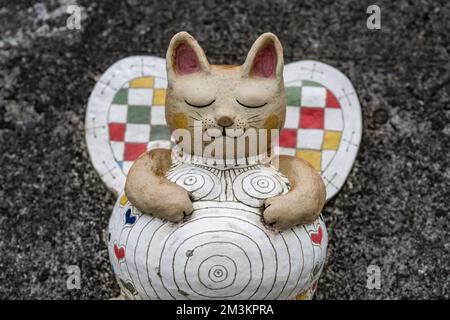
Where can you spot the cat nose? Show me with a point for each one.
(225, 121)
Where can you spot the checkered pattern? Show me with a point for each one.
(136, 119)
(314, 124)
(312, 131)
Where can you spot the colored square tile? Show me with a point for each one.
(118, 113)
(116, 131)
(332, 102)
(296, 83)
(292, 117)
(309, 139)
(333, 119)
(140, 97)
(293, 95)
(137, 133)
(143, 82)
(327, 156)
(159, 132)
(117, 149)
(313, 97)
(138, 114)
(158, 115)
(160, 83)
(134, 150)
(311, 118)
(158, 144)
(288, 138)
(159, 97)
(311, 156)
(126, 166)
(287, 151)
(309, 83)
(121, 97)
(331, 140)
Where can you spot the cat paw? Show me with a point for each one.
(285, 211)
(175, 205)
(166, 201)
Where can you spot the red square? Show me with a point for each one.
(288, 138)
(332, 102)
(116, 131)
(134, 150)
(311, 118)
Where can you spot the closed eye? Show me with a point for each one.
(249, 106)
(200, 106)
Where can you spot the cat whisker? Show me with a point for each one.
(197, 113)
(255, 116)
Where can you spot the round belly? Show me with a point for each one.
(222, 251)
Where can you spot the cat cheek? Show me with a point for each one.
(180, 120)
(241, 123)
(209, 122)
(272, 122)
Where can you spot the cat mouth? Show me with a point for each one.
(232, 133)
(225, 132)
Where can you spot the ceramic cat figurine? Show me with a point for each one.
(232, 97)
(233, 221)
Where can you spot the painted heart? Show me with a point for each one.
(316, 269)
(316, 237)
(119, 252)
(129, 286)
(129, 218)
(314, 286)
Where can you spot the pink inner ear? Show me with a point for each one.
(186, 60)
(265, 62)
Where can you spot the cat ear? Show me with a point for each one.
(265, 58)
(185, 56)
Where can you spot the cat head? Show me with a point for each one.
(223, 103)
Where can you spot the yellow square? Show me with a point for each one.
(313, 157)
(159, 97)
(143, 82)
(331, 140)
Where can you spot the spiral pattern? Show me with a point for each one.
(201, 183)
(253, 187)
(223, 251)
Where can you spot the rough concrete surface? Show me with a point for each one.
(393, 211)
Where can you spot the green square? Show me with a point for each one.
(293, 95)
(159, 132)
(309, 83)
(121, 97)
(138, 114)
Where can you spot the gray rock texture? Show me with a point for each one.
(393, 211)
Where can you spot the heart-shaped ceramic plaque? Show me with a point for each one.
(125, 117)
